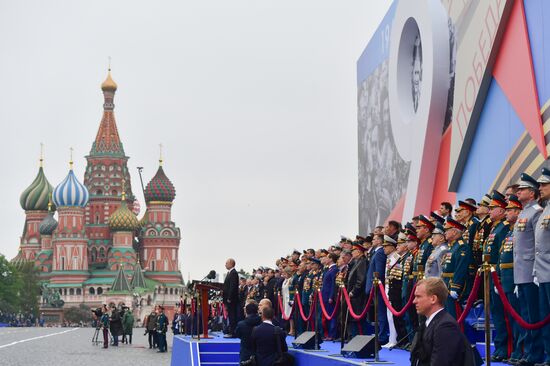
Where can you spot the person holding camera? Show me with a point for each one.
(104, 323)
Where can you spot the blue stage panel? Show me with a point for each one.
(220, 351)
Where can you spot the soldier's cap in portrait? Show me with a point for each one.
(545, 176)
(439, 229)
(527, 181)
(463, 205)
(498, 200)
(424, 221)
(453, 224)
(388, 240)
(437, 217)
(513, 202)
(485, 201)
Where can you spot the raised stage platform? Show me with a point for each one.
(219, 351)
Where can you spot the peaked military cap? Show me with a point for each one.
(527, 181)
(463, 205)
(424, 221)
(358, 246)
(498, 200)
(409, 228)
(545, 177)
(439, 229)
(453, 224)
(296, 251)
(437, 217)
(315, 260)
(412, 237)
(401, 238)
(513, 202)
(388, 240)
(485, 200)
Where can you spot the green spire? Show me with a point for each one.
(121, 282)
(138, 280)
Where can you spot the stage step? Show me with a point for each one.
(217, 357)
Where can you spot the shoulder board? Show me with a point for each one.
(489, 220)
(537, 207)
(430, 240)
(460, 242)
(506, 222)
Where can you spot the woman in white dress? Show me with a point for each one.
(287, 305)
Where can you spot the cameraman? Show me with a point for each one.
(104, 323)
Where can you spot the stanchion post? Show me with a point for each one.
(487, 307)
(343, 320)
(315, 324)
(375, 283)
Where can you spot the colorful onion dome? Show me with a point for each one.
(36, 196)
(70, 192)
(123, 219)
(160, 188)
(48, 225)
(109, 84)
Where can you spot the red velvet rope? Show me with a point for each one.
(299, 302)
(282, 308)
(324, 310)
(350, 308)
(471, 299)
(508, 308)
(391, 308)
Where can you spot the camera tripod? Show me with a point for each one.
(95, 337)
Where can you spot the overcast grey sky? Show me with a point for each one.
(254, 102)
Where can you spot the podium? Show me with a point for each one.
(203, 288)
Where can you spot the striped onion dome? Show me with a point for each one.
(36, 196)
(160, 188)
(70, 192)
(48, 225)
(123, 219)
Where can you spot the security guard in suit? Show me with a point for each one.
(491, 247)
(505, 271)
(541, 269)
(524, 260)
(455, 265)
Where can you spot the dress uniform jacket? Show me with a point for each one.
(455, 268)
(482, 232)
(356, 284)
(541, 267)
(524, 237)
(424, 251)
(469, 234)
(435, 260)
(494, 240)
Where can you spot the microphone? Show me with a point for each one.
(210, 276)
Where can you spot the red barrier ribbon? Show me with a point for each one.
(388, 304)
(301, 309)
(471, 299)
(281, 307)
(324, 310)
(350, 308)
(508, 307)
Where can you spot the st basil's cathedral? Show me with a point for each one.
(97, 251)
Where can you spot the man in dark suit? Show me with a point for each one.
(244, 330)
(264, 342)
(439, 341)
(356, 285)
(329, 292)
(378, 264)
(231, 296)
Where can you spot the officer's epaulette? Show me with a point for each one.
(489, 220)
(537, 207)
(506, 222)
(430, 240)
(460, 242)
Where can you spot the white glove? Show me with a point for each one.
(516, 292)
(496, 291)
(454, 295)
(536, 281)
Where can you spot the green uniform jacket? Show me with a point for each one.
(127, 322)
(495, 239)
(505, 267)
(455, 268)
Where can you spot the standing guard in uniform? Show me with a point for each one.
(307, 290)
(435, 260)
(524, 260)
(465, 215)
(491, 247)
(393, 286)
(483, 230)
(505, 271)
(411, 318)
(424, 234)
(541, 269)
(355, 287)
(455, 271)
(378, 265)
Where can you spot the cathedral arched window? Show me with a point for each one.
(99, 290)
(99, 192)
(93, 255)
(101, 252)
(78, 291)
(115, 193)
(71, 291)
(91, 291)
(97, 218)
(171, 291)
(152, 265)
